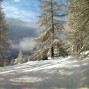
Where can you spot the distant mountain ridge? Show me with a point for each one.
(19, 30)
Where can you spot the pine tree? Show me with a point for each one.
(12, 61)
(3, 37)
(78, 29)
(20, 57)
(51, 25)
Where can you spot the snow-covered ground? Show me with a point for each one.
(59, 73)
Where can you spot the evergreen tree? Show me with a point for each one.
(12, 61)
(20, 57)
(51, 25)
(3, 37)
(78, 25)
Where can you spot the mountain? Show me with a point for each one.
(20, 35)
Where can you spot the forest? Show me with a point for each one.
(57, 54)
(63, 32)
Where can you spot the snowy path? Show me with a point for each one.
(65, 73)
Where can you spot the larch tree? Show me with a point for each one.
(51, 25)
(3, 37)
(78, 25)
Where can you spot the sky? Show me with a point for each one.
(21, 18)
(27, 10)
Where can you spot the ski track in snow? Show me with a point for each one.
(58, 73)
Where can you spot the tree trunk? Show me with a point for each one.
(52, 52)
(52, 49)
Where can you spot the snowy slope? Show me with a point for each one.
(65, 73)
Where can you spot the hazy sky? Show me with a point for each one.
(27, 10)
(21, 17)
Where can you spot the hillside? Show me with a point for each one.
(61, 73)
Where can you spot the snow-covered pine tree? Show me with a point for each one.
(3, 37)
(20, 59)
(12, 61)
(51, 25)
(78, 25)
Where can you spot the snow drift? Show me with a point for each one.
(66, 73)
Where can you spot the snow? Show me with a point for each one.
(65, 73)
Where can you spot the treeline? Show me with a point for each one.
(64, 29)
